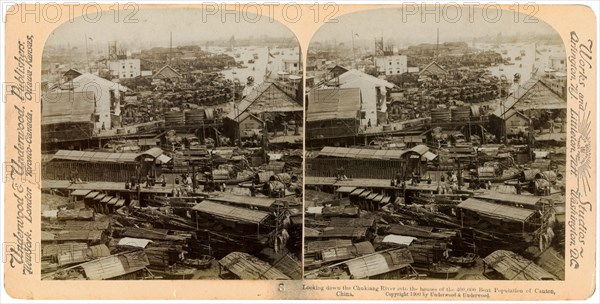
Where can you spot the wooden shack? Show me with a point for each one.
(333, 113)
(67, 117)
(244, 220)
(507, 265)
(243, 266)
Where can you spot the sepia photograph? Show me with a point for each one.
(435, 150)
(171, 148)
(394, 151)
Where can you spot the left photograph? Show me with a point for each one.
(172, 148)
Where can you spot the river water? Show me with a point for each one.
(532, 60)
(261, 64)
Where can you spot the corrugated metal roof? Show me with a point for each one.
(496, 210)
(515, 267)
(249, 267)
(231, 212)
(326, 104)
(90, 156)
(379, 263)
(115, 265)
(243, 200)
(511, 198)
(68, 107)
(366, 153)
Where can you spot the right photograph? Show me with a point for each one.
(435, 147)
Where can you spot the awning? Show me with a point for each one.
(345, 189)
(80, 192)
(357, 191)
(92, 194)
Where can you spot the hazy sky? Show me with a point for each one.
(154, 25)
(410, 29)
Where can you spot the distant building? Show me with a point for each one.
(67, 116)
(532, 100)
(108, 98)
(391, 65)
(557, 63)
(434, 70)
(337, 71)
(373, 93)
(266, 101)
(333, 113)
(291, 66)
(71, 74)
(124, 68)
(167, 73)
